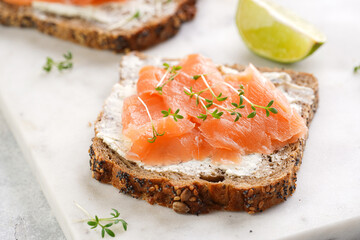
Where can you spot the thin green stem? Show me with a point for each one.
(203, 99)
(163, 78)
(208, 86)
(83, 209)
(155, 133)
(232, 88)
(147, 110)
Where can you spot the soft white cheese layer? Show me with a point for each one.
(116, 15)
(109, 129)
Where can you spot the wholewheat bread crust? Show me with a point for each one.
(185, 194)
(87, 34)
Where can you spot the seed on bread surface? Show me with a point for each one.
(192, 199)
(185, 195)
(180, 207)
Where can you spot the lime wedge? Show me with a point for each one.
(276, 33)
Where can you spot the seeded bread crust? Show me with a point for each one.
(185, 194)
(87, 34)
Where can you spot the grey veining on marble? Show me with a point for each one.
(24, 211)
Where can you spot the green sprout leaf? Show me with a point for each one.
(202, 116)
(62, 65)
(175, 115)
(136, 15)
(356, 69)
(270, 103)
(216, 114)
(196, 77)
(251, 115)
(166, 66)
(273, 110)
(220, 99)
(109, 232)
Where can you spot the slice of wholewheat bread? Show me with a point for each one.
(272, 181)
(91, 33)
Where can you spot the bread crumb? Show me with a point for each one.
(89, 124)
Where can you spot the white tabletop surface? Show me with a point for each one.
(49, 117)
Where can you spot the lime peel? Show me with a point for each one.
(275, 33)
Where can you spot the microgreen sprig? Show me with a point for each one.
(175, 115)
(135, 16)
(66, 64)
(104, 223)
(154, 132)
(173, 71)
(219, 98)
(191, 94)
(95, 222)
(216, 114)
(239, 105)
(196, 77)
(240, 92)
(202, 116)
(356, 69)
(267, 109)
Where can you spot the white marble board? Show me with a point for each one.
(50, 114)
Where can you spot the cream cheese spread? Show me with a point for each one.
(117, 15)
(109, 129)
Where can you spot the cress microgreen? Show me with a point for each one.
(62, 65)
(238, 116)
(196, 77)
(241, 93)
(216, 114)
(173, 71)
(104, 223)
(135, 16)
(154, 132)
(202, 116)
(105, 228)
(175, 115)
(356, 69)
(267, 109)
(219, 98)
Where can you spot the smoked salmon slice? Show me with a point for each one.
(208, 102)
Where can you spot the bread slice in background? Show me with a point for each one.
(273, 181)
(88, 33)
